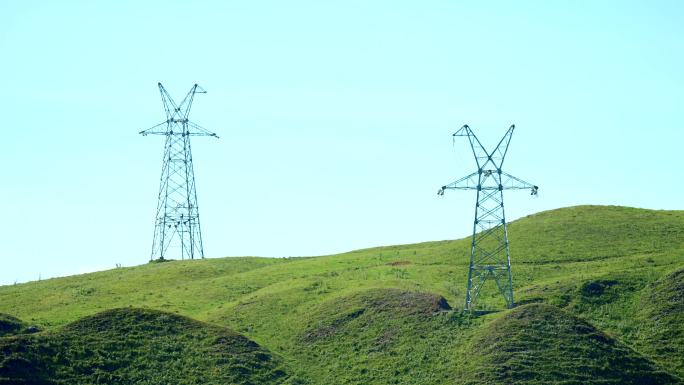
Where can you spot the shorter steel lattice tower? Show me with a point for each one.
(177, 224)
(489, 254)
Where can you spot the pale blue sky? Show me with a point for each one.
(335, 119)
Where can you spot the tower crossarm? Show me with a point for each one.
(198, 130)
(509, 182)
(480, 153)
(177, 122)
(178, 127)
(159, 129)
(469, 182)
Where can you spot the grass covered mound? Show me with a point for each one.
(10, 325)
(137, 346)
(382, 336)
(332, 317)
(662, 309)
(541, 344)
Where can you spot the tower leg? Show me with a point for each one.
(177, 222)
(489, 252)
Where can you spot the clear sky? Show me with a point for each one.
(335, 119)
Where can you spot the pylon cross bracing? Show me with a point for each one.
(177, 230)
(490, 257)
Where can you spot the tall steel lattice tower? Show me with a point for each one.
(177, 224)
(490, 257)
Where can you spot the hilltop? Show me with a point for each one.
(600, 287)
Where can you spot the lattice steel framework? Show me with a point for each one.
(177, 224)
(489, 253)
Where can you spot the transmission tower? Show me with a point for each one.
(490, 257)
(177, 224)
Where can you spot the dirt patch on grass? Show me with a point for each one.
(398, 263)
(329, 330)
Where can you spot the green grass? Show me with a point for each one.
(360, 317)
(137, 346)
(381, 336)
(539, 344)
(660, 313)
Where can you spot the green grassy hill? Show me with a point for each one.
(610, 280)
(137, 346)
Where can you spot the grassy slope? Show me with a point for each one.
(381, 336)
(539, 344)
(137, 346)
(660, 332)
(598, 263)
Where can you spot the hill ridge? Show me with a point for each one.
(600, 264)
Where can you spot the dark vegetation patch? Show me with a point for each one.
(597, 288)
(137, 346)
(10, 325)
(616, 289)
(161, 260)
(541, 344)
(602, 291)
